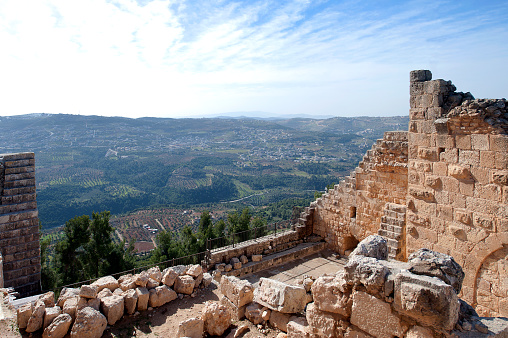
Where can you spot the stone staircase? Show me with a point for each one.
(393, 227)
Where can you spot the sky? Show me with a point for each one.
(178, 58)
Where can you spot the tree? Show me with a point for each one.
(259, 226)
(205, 230)
(100, 246)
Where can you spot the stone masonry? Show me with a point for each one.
(443, 185)
(19, 224)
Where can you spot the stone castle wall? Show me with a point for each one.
(19, 223)
(443, 185)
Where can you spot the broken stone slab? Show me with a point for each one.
(279, 320)
(216, 318)
(375, 316)
(321, 322)
(169, 277)
(89, 323)
(298, 327)
(88, 291)
(155, 273)
(435, 264)
(237, 313)
(109, 282)
(332, 294)
(130, 300)
(48, 298)
(373, 246)
(367, 271)
(191, 328)
(50, 313)
(65, 294)
(280, 296)
(113, 308)
(195, 270)
(239, 292)
(180, 269)
(36, 320)
(161, 295)
(253, 312)
(143, 297)
(428, 300)
(184, 284)
(58, 327)
(23, 314)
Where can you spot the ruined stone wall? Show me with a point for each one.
(19, 223)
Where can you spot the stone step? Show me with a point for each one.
(389, 234)
(393, 228)
(393, 221)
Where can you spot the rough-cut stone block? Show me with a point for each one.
(70, 306)
(235, 263)
(169, 277)
(257, 258)
(89, 323)
(65, 294)
(92, 302)
(216, 318)
(130, 300)
(36, 320)
(191, 328)
(113, 308)
(143, 297)
(23, 314)
(373, 246)
(48, 298)
(331, 293)
(195, 270)
(459, 172)
(254, 312)
(161, 295)
(375, 316)
(237, 313)
(88, 291)
(279, 296)
(239, 292)
(279, 320)
(141, 279)
(50, 314)
(428, 300)
(325, 323)
(207, 279)
(58, 327)
(106, 282)
(184, 284)
(155, 273)
(298, 327)
(366, 271)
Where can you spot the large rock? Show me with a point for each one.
(375, 316)
(254, 313)
(65, 294)
(239, 292)
(216, 318)
(130, 299)
(161, 295)
(106, 282)
(207, 280)
(195, 270)
(179, 269)
(36, 320)
(89, 323)
(24, 313)
(92, 302)
(427, 300)
(58, 327)
(280, 297)
(279, 320)
(366, 271)
(152, 283)
(50, 313)
(88, 291)
(104, 293)
(141, 279)
(332, 294)
(112, 307)
(155, 274)
(235, 263)
(373, 246)
(298, 327)
(128, 283)
(184, 284)
(143, 297)
(48, 298)
(191, 328)
(70, 306)
(324, 323)
(430, 263)
(237, 313)
(169, 277)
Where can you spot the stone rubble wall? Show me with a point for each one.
(19, 223)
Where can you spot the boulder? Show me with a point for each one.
(130, 299)
(23, 314)
(244, 259)
(237, 313)
(48, 298)
(298, 327)
(51, 313)
(108, 282)
(366, 271)
(92, 302)
(279, 296)
(191, 328)
(104, 293)
(228, 268)
(128, 283)
(155, 274)
(257, 258)
(152, 283)
(195, 270)
(217, 275)
(70, 306)
(169, 277)
(112, 307)
(179, 269)
(36, 320)
(239, 292)
(220, 267)
(254, 312)
(123, 278)
(141, 279)
(216, 318)
(58, 327)
(88, 291)
(325, 323)
(332, 294)
(235, 263)
(207, 279)
(373, 246)
(143, 297)
(430, 263)
(279, 320)
(198, 280)
(161, 295)
(119, 292)
(184, 284)
(89, 323)
(65, 294)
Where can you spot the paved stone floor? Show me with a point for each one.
(315, 265)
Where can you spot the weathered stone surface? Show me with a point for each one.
(298, 327)
(239, 292)
(184, 284)
(207, 279)
(65, 294)
(58, 327)
(228, 267)
(23, 314)
(373, 246)
(48, 298)
(279, 296)
(216, 318)
(127, 283)
(244, 259)
(279, 320)
(235, 263)
(155, 274)
(141, 279)
(435, 264)
(332, 294)
(375, 316)
(195, 270)
(325, 323)
(180, 269)
(130, 300)
(92, 302)
(428, 300)
(254, 312)
(106, 282)
(151, 283)
(88, 291)
(237, 313)
(104, 293)
(89, 323)
(143, 297)
(161, 295)
(169, 277)
(366, 271)
(50, 314)
(118, 292)
(191, 328)
(257, 258)
(70, 306)
(419, 332)
(112, 307)
(36, 320)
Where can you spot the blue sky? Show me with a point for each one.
(177, 58)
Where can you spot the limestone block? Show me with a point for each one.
(279, 320)
(207, 279)
(195, 270)
(36, 320)
(428, 300)
(228, 268)
(239, 292)
(141, 279)
(244, 259)
(88, 291)
(130, 300)
(366, 271)
(128, 283)
(373, 246)
(92, 302)
(419, 332)
(179, 269)
(151, 283)
(459, 172)
(435, 264)
(324, 322)
(169, 277)
(50, 314)
(48, 298)
(70, 306)
(161, 295)
(254, 312)
(23, 314)
(237, 313)
(89, 323)
(374, 316)
(58, 327)
(155, 273)
(279, 296)
(235, 263)
(143, 297)
(332, 294)
(65, 294)
(216, 318)
(113, 308)
(257, 258)
(198, 280)
(184, 284)
(108, 282)
(298, 327)
(191, 328)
